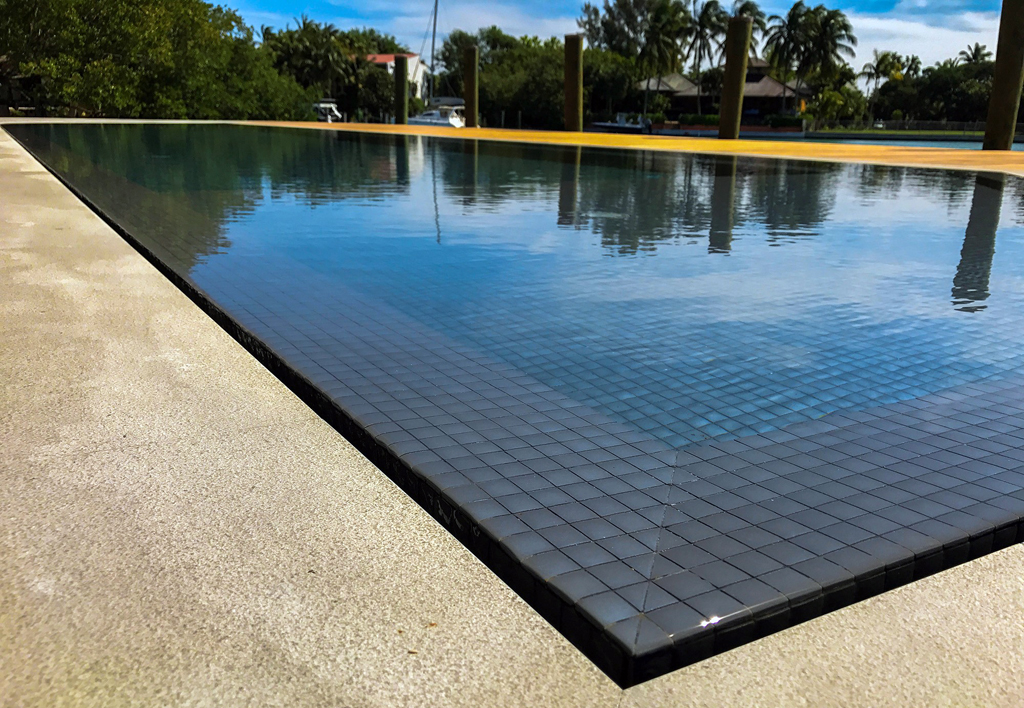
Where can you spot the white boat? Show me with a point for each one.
(449, 116)
(440, 111)
(327, 111)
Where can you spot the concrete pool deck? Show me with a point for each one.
(178, 528)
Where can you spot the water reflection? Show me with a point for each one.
(599, 273)
(970, 284)
(723, 198)
(568, 187)
(195, 180)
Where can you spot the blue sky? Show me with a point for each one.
(933, 29)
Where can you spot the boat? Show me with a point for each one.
(447, 112)
(448, 116)
(327, 111)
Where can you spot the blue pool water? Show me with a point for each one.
(689, 297)
(948, 144)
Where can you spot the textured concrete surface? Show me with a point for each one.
(176, 528)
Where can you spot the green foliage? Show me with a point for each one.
(950, 90)
(373, 95)
(314, 55)
(146, 58)
(784, 121)
(698, 119)
(331, 62)
(978, 54)
(609, 82)
(516, 74)
(190, 59)
(620, 28)
(369, 41)
(659, 103)
(843, 103)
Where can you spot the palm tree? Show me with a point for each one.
(978, 54)
(749, 8)
(830, 40)
(911, 66)
(709, 24)
(784, 42)
(667, 28)
(885, 66)
(312, 53)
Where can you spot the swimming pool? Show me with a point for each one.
(923, 143)
(676, 401)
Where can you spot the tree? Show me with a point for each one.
(367, 40)
(785, 42)
(759, 22)
(668, 27)
(885, 66)
(842, 103)
(911, 65)
(146, 58)
(313, 54)
(609, 81)
(978, 54)
(949, 90)
(620, 28)
(829, 42)
(590, 23)
(708, 30)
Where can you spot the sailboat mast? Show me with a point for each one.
(433, 39)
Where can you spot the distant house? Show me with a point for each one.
(762, 95)
(669, 84)
(417, 68)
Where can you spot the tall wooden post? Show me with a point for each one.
(1008, 79)
(574, 82)
(737, 49)
(401, 90)
(471, 85)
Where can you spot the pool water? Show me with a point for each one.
(970, 144)
(690, 297)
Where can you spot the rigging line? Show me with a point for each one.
(433, 45)
(426, 33)
(433, 173)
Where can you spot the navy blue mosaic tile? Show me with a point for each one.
(676, 402)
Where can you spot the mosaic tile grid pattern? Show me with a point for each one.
(682, 398)
(645, 556)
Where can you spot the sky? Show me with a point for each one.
(932, 29)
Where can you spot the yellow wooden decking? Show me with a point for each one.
(945, 158)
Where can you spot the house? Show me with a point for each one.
(669, 84)
(762, 94)
(417, 68)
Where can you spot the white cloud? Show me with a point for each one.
(916, 36)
